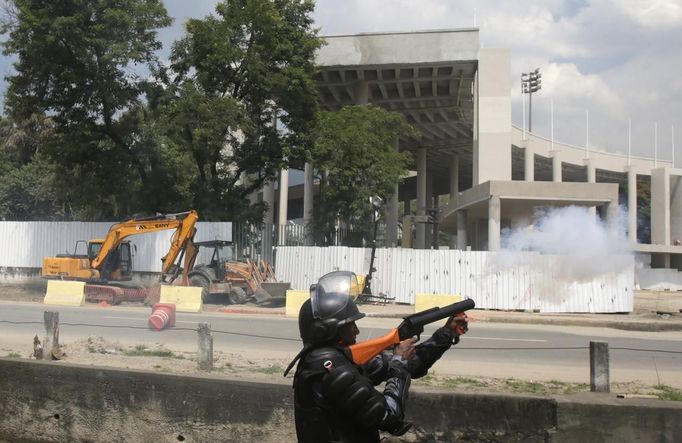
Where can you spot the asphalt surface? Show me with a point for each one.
(537, 347)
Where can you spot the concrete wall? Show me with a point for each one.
(49, 402)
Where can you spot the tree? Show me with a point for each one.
(27, 177)
(76, 63)
(355, 150)
(232, 77)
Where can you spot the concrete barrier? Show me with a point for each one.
(185, 298)
(295, 300)
(48, 401)
(65, 293)
(422, 302)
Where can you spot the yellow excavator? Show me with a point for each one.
(109, 261)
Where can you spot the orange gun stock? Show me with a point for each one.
(412, 325)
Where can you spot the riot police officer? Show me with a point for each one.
(335, 400)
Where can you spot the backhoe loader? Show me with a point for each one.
(227, 277)
(108, 262)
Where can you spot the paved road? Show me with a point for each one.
(529, 352)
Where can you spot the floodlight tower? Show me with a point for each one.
(531, 82)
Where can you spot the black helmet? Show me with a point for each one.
(330, 306)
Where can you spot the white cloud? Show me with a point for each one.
(652, 13)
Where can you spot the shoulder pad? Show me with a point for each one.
(326, 359)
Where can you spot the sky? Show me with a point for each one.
(609, 62)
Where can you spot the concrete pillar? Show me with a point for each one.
(556, 166)
(428, 240)
(420, 240)
(308, 188)
(462, 229)
(675, 208)
(591, 170)
(660, 206)
(591, 178)
(632, 204)
(492, 117)
(454, 177)
(283, 204)
(494, 223)
(269, 199)
(361, 93)
(51, 341)
(599, 367)
(612, 216)
(205, 352)
(454, 191)
(392, 214)
(529, 162)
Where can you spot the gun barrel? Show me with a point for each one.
(432, 315)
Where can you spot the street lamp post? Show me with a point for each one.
(530, 82)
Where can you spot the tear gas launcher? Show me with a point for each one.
(412, 325)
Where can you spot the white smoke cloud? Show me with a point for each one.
(584, 245)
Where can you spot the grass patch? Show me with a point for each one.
(14, 355)
(272, 369)
(522, 386)
(668, 393)
(464, 382)
(95, 347)
(143, 351)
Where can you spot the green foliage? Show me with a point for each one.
(77, 62)
(355, 148)
(668, 393)
(232, 76)
(272, 369)
(143, 351)
(27, 177)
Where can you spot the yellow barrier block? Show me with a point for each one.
(295, 300)
(65, 293)
(185, 298)
(422, 302)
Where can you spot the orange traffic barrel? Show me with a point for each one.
(163, 316)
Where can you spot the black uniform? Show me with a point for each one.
(335, 400)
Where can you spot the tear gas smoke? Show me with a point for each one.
(583, 244)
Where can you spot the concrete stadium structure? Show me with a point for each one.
(458, 95)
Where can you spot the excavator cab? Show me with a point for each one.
(118, 265)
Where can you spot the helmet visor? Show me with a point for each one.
(332, 294)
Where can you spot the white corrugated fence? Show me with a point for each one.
(524, 281)
(25, 244)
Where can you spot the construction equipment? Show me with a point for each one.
(108, 262)
(240, 281)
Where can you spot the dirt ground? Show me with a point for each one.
(96, 351)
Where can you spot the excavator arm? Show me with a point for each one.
(183, 223)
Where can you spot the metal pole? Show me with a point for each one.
(655, 144)
(523, 103)
(530, 111)
(552, 121)
(587, 133)
(629, 142)
(672, 141)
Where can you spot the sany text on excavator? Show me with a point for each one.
(109, 260)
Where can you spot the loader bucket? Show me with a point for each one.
(276, 290)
